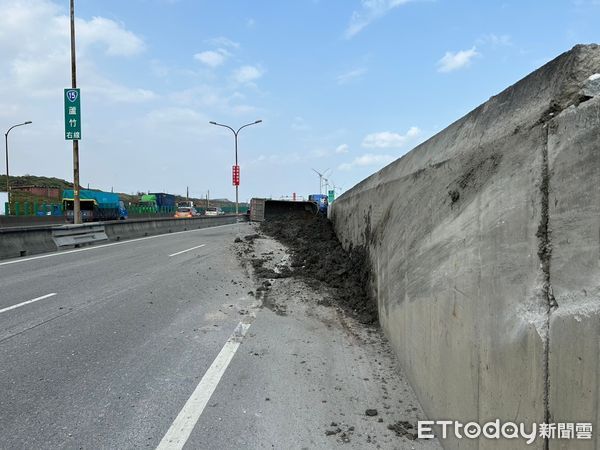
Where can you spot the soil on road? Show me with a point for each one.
(339, 376)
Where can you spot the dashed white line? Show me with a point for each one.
(184, 423)
(27, 302)
(188, 250)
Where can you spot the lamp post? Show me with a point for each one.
(6, 147)
(235, 133)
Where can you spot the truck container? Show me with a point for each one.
(164, 200)
(265, 209)
(95, 205)
(321, 200)
(157, 201)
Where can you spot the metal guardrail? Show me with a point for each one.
(75, 235)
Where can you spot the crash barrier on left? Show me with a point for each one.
(23, 241)
(76, 235)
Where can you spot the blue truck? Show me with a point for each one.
(95, 205)
(158, 202)
(321, 200)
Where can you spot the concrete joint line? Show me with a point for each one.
(545, 256)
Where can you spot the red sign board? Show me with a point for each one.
(236, 175)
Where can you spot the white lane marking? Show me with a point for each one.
(109, 245)
(188, 250)
(184, 423)
(27, 302)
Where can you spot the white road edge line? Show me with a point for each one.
(184, 423)
(27, 302)
(189, 249)
(59, 253)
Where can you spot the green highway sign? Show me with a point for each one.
(72, 114)
(331, 196)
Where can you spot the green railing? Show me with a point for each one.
(55, 209)
(33, 209)
(144, 211)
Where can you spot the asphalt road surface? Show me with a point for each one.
(159, 343)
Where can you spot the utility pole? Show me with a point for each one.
(236, 176)
(76, 203)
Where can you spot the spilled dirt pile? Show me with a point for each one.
(318, 258)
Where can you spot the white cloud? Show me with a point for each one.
(214, 98)
(388, 139)
(350, 76)
(223, 42)
(117, 40)
(367, 160)
(456, 60)
(38, 64)
(105, 89)
(247, 74)
(244, 110)
(341, 149)
(370, 11)
(212, 58)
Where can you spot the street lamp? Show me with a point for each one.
(6, 147)
(235, 133)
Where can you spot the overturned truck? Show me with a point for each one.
(263, 208)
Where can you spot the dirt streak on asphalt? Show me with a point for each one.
(301, 271)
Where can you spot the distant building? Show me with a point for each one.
(40, 191)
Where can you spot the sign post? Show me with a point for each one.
(72, 114)
(331, 196)
(72, 96)
(236, 175)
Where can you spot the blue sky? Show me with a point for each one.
(344, 85)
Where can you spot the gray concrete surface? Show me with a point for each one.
(22, 241)
(574, 215)
(484, 248)
(304, 366)
(111, 359)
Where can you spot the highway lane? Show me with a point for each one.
(25, 277)
(155, 342)
(110, 359)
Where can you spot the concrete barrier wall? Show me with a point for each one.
(484, 243)
(129, 229)
(16, 242)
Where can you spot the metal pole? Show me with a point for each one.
(236, 163)
(235, 133)
(6, 147)
(76, 203)
(7, 175)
